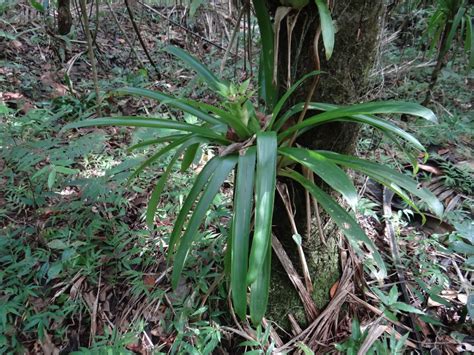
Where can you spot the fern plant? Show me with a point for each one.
(257, 148)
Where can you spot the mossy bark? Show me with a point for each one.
(346, 80)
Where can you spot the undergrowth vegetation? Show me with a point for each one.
(84, 265)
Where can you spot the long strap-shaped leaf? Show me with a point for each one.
(132, 121)
(222, 171)
(155, 195)
(186, 139)
(349, 227)
(244, 183)
(287, 94)
(192, 107)
(226, 117)
(168, 100)
(201, 180)
(264, 199)
(388, 177)
(384, 126)
(326, 170)
(268, 91)
(158, 140)
(220, 86)
(260, 289)
(361, 109)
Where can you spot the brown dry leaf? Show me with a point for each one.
(76, 286)
(443, 151)
(47, 345)
(333, 289)
(431, 169)
(149, 281)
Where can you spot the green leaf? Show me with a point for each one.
(223, 169)
(132, 121)
(58, 244)
(198, 185)
(155, 195)
(264, 200)
(260, 288)
(405, 308)
(244, 183)
(186, 139)
(386, 127)
(217, 85)
(159, 140)
(303, 347)
(287, 94)
(66, 171)
(189, 156)
(349, 227)
(327, 27)
(227, 118)
(349, 113)
(168, 100)
(268, 90)
(51, 178)
(389, 178)
(326, 170)
(37, 6)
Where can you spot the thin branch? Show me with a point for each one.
(137, 31)
(85, 20)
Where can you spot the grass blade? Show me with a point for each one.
(326, 170)
(349, 227)
(223, 169)
(264, 200)
(327, 27)
(244, 183)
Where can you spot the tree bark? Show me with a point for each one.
(346, 80)
(64, 17)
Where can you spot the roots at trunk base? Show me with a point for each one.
(323, 264)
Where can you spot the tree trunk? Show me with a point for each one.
(346, 80)
(64, 17)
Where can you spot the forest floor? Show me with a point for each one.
(80, 271)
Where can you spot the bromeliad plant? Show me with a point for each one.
(257, 150)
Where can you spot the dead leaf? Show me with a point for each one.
(47, 345)
(333, 289)
(430, 169)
